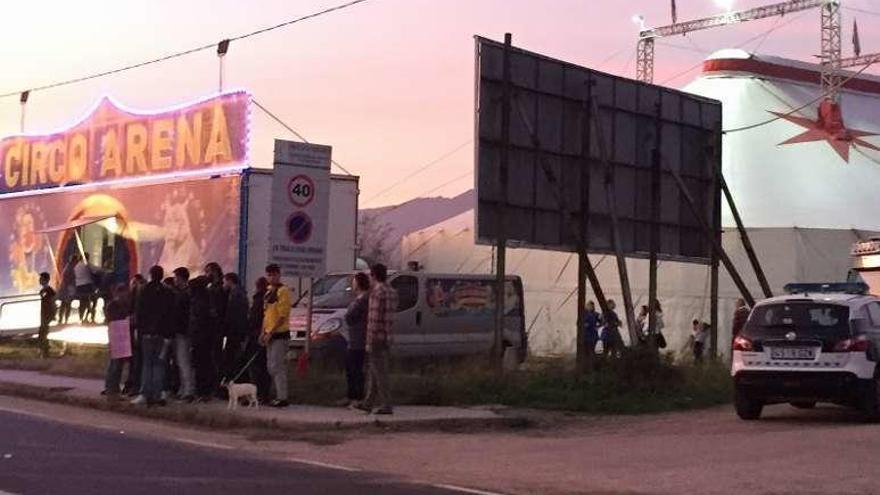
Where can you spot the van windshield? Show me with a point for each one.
(821, 321)
(333, 291)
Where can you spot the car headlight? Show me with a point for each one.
(331, 325)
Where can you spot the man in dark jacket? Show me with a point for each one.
(356, 320)
(182, 339)
(202, 335)
(235, 324)
(133, 382)
(258, 371)
(218, 299)
(153, 316)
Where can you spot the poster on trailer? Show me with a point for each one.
(124, 230)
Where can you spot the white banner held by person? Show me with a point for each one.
(300, 204)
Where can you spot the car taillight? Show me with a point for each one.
(741, 343)
(857, 344)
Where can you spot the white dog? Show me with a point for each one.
(241, 390)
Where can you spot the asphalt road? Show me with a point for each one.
(40, 456)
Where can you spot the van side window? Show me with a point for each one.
(874, 311)
(407, 288)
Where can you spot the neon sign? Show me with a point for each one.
(113, 143)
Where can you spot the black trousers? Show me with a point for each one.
(354, 373)
(205, 365)
(232, 357)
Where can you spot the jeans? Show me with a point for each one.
(354, 373)
(183, 358)
(378, 387)
(154, 362)
(133, 382)
(276, 360)
(114, 375)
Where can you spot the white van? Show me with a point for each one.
(438, 314)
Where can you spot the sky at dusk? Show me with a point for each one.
(388, 83)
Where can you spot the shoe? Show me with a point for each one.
(189, 399)
(139, 400)
(165, 395)
(204, 399)
(279, 403)
(383, 411)
(343, 403)
(360, 406)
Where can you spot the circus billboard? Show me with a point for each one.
(123, 230)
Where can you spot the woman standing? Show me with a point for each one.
(117, 313)
(356, 319)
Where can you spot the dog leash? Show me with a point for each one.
(246, 366)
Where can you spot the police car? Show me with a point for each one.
(818, 343)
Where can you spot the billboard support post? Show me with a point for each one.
(501, 247)
(713, 153)
(712, 235)
(746, 241)
(611, 198)
(655, 227)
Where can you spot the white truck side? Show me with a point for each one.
(341, 232)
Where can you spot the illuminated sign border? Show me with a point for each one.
(234, 167)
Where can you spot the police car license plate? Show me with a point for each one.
(793, 353)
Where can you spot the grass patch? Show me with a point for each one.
(69, 360)
(633, 384)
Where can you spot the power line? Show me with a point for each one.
(292, 131)
(805, 105)
(423, 194)
(419, 170)
(861, 10)
(171, 56)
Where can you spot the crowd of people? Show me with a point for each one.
(189, 335)
(185, 337)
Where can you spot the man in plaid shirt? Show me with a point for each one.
(380, 326)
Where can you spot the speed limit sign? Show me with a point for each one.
(301, 190)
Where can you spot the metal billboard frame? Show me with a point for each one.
(699, 219)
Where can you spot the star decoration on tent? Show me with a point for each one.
(828, 127)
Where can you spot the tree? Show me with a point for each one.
(373, 236)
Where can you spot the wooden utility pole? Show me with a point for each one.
(501, 234)
(655, 225)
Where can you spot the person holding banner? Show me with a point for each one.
(117, 313)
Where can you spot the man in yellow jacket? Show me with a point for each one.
(276, 333)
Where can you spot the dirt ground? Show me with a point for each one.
(824, 451)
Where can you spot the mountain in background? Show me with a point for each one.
(417, 214)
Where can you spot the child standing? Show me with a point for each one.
(47, 313)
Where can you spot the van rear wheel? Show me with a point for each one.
(747, 408)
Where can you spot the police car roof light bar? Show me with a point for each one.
(856, 288)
